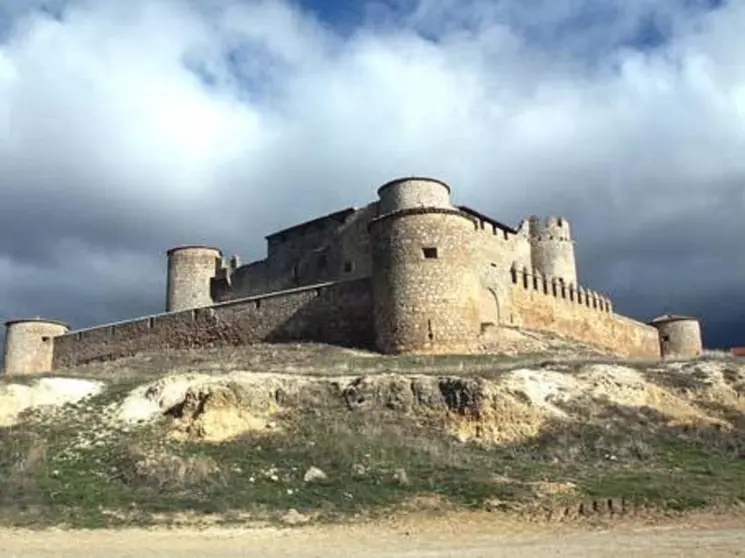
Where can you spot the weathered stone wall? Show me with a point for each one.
(331, 249)
(680, 338)
(337, 313)
(582, 315)
(29, 345)
(497, 249)
(426, 289)
(190, 269)
(295, 256)
(250, 279)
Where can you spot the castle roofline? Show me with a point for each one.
(488, 219)
(671, 318)
(337, 215)
(36, 320)
(190, 246)
(408, 178)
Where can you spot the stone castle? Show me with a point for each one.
(408, 273)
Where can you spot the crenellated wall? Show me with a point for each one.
(580, 314)
(336, 313)
(409, 272)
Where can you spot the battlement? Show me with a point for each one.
(560, 289)
(407, 273)
(549, 228)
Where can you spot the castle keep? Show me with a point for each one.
(408, 273)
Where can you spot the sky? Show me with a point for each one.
(127, 128)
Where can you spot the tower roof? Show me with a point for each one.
(37, 320)
(414, 179)
(671, 318)
(193, 247)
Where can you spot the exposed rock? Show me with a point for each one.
(294, 517)
(314, 474)
(400, 477)
(215, 413)
(43, 393)
(392, 392)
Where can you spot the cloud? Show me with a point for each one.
(127, 128)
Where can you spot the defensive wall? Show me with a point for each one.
(582, 314)
(337, 313)
(409, 273)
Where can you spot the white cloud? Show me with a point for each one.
(112, 138)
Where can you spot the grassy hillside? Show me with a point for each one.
(237, 435)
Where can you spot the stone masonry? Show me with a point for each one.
(408, 273)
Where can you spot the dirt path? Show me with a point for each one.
(473, 538)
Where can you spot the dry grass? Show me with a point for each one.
(166, 471)
(364, 438)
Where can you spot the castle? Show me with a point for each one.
(408, 273)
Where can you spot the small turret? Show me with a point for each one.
(680, 336)
(29, 345)
(190, 270)
(552, 248)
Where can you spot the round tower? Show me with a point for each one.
(190, 269)
(29, 345)
(552, 248)
(680, 336)
(425, 286)
(413, 192)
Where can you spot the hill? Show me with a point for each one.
(303, 433)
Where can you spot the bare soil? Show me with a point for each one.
(462, 535)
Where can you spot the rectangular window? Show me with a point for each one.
(430, 253)
(348, 267)
(323, 262)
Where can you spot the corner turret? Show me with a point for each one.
(190, 270)
(29, 345)
(680, 336)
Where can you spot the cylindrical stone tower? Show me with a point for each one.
(29, 345)
(552, 249)
(190, 269)
(425, 286)
(413, 192)
(680, 336)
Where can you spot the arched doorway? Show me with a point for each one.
(489, 310)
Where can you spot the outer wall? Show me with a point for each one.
(29, 346)
(680, 338)
(335, 313)
(540, 309)
(189, 272)
(425, 305)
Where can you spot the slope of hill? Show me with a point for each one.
(304, 433)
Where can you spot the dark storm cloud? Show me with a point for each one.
(126, 129)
